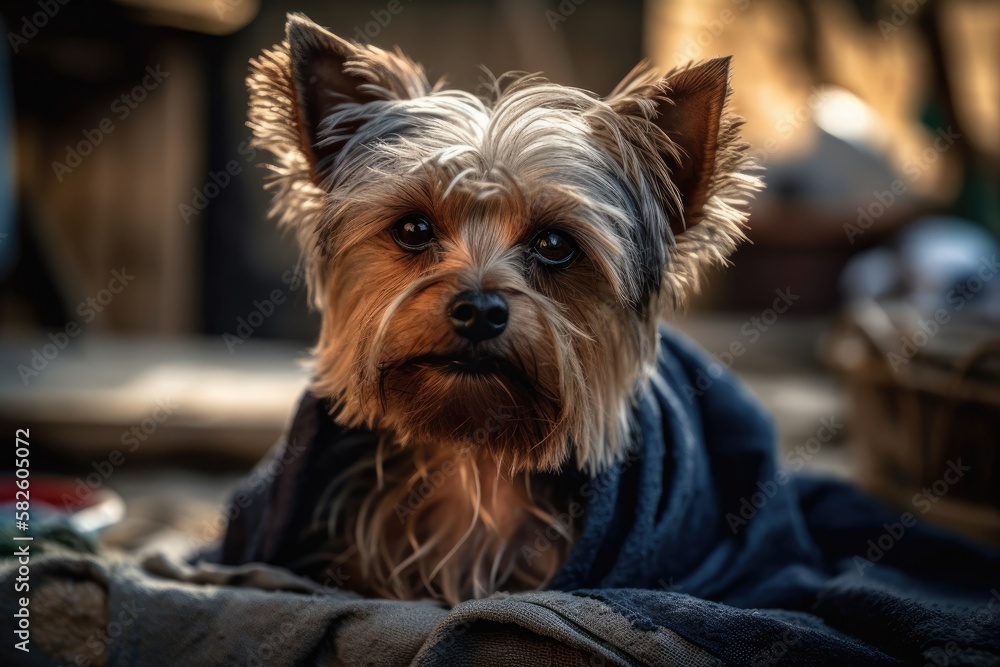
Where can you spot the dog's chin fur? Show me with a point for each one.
(460, 410)
(651, 183)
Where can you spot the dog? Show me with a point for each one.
(491, 273)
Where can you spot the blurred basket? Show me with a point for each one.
(925, 395)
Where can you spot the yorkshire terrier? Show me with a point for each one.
(491, 275)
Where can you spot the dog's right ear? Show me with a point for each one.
(296, 86)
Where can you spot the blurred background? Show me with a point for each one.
(154, 324)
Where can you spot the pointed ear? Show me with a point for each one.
(319, 61)
(691, 115)
(308, 97)
(691, 149)
(325, 73)
(689, 106)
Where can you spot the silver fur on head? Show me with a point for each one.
(650, 183)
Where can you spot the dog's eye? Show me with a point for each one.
(413, 232)
(554, 248)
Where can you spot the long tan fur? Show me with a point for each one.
(579, 343)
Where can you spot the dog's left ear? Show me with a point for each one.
(688, 106)
(699, 168)
(691, 116)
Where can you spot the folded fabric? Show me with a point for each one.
(701, 533)
(98, 612)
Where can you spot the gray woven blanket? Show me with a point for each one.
(87, 611)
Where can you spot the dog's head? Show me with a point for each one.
(491, 272)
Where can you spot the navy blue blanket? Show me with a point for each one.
(699, 531)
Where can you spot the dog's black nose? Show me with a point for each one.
(479, 316)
